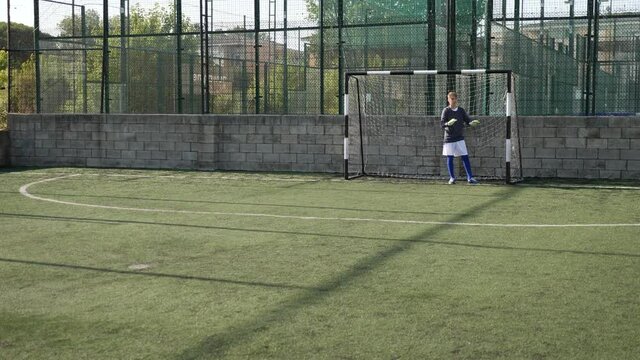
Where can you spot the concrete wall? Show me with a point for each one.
(4, 148)
(276, 143)
(279, 143)
(581, 147)
(565, 147)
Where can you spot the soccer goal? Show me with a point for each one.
(392, 123)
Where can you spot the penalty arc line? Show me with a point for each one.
(24, 190)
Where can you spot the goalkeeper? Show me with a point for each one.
(453, 121)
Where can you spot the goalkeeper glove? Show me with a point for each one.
(474, 123)
(451, 122)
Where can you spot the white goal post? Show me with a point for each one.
(393, 120)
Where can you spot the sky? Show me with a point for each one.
(21, 11)
(232, 11)
(224, 11)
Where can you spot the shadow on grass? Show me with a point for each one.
(218, 344)
(288, 206)
(161, 275)
(298, 233)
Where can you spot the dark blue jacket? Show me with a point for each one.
(456, 132)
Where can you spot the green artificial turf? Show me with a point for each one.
(330, 278)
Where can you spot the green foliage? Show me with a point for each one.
(73, 26)
(21, 41)
(388, 11)
(147, 81)
(4, 59)
(23, 92)
(3, 84)
(21, 67)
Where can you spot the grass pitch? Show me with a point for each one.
(115, 264)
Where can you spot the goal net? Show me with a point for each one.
(392, 123)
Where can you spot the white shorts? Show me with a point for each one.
(458, 148)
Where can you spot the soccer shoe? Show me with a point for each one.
(472, 181)
(474, 123)
(451, 122)
(452, 181)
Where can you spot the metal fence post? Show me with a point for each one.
(571, 28)
(8, 56)
(83, 24)
(587, 72)
(123, 62)
(179, 97)
(487, 47)
(256, 47)
(322, 57)
(594, 68)
(285, 70)
(340, 56)
(204, 57)
(245, 83)
(473, 54)
(36, 46)
(451, 43)
(636, 41)
(431, 53)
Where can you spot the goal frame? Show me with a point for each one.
(509, 107)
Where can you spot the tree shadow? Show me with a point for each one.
(313, 234)
(288, 206)
(219, 343)
(159, 275)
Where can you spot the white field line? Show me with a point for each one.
(24, 190)
(258, 178)
(576, 186)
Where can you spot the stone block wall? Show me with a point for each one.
(307, 143)
(562, 147)
(206, 142)
(137, 141)
(581, 147)
(4, 148)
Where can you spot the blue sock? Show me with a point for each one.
(467, 166)
(450, 167)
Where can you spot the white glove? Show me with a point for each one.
(451, 122)
(474, 123)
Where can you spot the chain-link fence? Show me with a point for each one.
(288, 56)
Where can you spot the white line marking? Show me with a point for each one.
(24, 191)
(213, 177)
(577, 186)
(260, 178)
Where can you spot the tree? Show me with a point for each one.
(72, 26)
(21, 67)
(21, 42)
(147, 82)
(387, 11)
(4, 59)
(23, 93)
